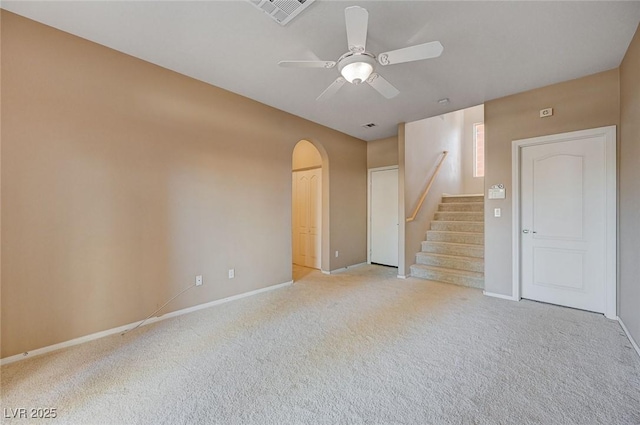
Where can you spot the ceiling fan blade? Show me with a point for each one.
(410, 54)
(357, 20)
(332, 89)
(307, 64)
(382, 86)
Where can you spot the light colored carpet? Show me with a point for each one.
(360, 347)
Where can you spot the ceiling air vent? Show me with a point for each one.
(282, 11)
(369, 125)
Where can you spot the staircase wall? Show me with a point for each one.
(423, 142)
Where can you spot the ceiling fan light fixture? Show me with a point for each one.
(356, 67)
(357, 72)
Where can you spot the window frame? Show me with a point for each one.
(475, 149)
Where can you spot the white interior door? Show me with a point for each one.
(564, 222)
(383, 217)
(307, 217)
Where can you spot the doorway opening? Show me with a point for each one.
(307, 209)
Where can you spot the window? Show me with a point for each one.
(478, 150)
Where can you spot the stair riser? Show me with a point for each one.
(455, 199)
(470, 281)
(459, 216)
(476, 251)
(474, 239)
(458, 226)
(472, 265)
(462, 206)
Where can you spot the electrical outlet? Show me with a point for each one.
(198, 280)
(232, 273)
(336, 254)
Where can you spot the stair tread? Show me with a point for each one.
(462, 203)
(461, 249)
(456, 232)
(473, 245)
(457, 257)
(458, 222)
(470, 226)
(468, 207)
(469, 216)
(448, 270)
(460, 212)
(471, 195)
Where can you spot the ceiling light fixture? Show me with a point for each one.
(356, 67)
(443, 101)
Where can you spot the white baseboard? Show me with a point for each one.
(633, 342)
(120, 329)
(504, 297)
(342, 269)
(401, 276)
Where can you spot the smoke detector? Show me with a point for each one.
(282, 11)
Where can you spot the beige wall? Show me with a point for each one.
(0, 188)
(471, 184)
(382, 152)
(587, 102)
(306, 156)
(122, 180)
(424, 142)
(629, 254)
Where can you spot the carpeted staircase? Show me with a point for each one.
(454, 249)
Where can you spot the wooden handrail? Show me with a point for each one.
(424, 194)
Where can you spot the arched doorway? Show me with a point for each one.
(307, 208)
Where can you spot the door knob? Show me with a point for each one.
(525, 231)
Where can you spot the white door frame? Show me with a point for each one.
(611, 210)
(369, 171)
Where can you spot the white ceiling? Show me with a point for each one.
(491, 49)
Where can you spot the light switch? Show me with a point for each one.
(497, 212)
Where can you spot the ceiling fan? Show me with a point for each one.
(358, 66)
